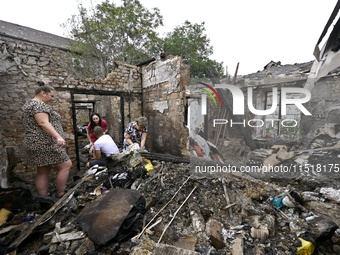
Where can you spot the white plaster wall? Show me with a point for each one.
(160, 72)
(195, 118)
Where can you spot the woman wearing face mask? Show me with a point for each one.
(95, 120)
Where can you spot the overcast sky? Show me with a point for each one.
(246, 31)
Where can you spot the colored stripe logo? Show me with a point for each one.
(212, 92)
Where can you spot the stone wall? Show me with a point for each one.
(24, 63)
(324, 104)
(120, 98)
(164, 103)
(325, 109)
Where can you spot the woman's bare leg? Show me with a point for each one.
(41, 180)
(62, 176)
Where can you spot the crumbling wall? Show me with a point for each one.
(164, 102)
(25, 62)
(325, 109)
(161, 98)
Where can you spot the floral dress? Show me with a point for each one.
(40, 148)
(136, 136)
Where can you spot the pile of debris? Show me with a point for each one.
(147, 203)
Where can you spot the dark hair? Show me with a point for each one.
(92, 124)
(43, 87)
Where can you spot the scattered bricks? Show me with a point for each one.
(186, 242)
(276, 148)
(214, 231)
(281, 154)
(271, 161)
(31, 61)
(237, 246)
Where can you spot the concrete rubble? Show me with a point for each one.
(132, 208)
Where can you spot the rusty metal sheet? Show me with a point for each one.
(102, 218)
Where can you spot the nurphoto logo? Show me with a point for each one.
(238, 99)
(204, 97)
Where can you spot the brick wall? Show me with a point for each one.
(325, 109)
(120, 98)
(40, 62)
(164, 101)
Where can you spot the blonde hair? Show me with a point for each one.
(142, 121)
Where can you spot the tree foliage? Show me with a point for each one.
(109, 33)
(190, 41)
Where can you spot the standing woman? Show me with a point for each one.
(95, 120)
(44, 141)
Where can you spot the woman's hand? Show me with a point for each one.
(61, 142)
(42, 119)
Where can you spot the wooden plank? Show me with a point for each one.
(49, 214)
(68, 237)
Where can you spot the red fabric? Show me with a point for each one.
(198, 150)
(92, 136)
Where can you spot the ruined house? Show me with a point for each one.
(155, 90)
(235, 214)
(236, 135)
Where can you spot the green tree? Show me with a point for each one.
(191, 43)
(109, 33)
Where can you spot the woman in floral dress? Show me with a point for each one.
(44, 142)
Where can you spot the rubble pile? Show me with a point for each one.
(237, 215)
(139, 205)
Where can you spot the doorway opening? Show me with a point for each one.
(109, 107)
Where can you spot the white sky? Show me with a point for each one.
(246, 31)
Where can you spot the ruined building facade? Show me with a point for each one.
(288, 124)
(156, 90)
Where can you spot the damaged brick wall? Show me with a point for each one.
(25, 62)
(325, 109)
(120, 97)
(107, 106)
(164, 101)
(323, 105)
